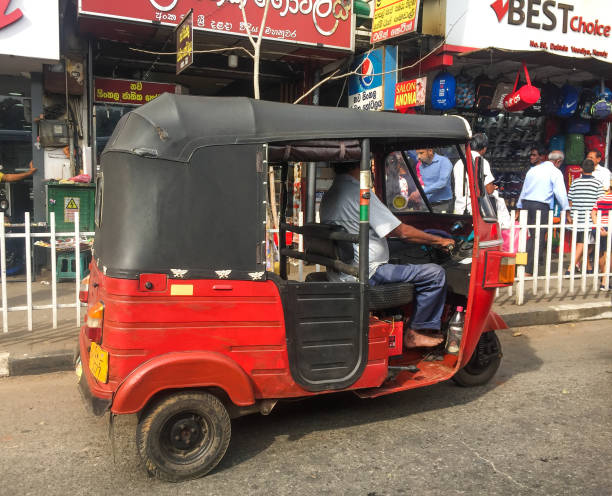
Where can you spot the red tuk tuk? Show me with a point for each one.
(187, 329)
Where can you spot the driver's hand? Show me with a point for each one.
(446, 244)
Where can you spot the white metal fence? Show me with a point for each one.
(557, 269)
(29, 237)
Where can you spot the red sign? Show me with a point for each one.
(125, 91)
(11, 17)
(410, 94)
(327, 23)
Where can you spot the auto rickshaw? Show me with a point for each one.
(185, 326)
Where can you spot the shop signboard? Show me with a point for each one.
(323, 23)
(23, 24)
(409, 94)
(184, 43)
(394, 18)
(573, 28)
(125, 91)
(373, 87)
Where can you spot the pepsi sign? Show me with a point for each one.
(373, 87)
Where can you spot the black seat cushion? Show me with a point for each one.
(380, 297)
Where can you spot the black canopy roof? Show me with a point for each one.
(172, 127)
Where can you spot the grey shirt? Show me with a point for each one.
(340, 205)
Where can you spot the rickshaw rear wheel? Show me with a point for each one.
(484, 362)
(183, 436)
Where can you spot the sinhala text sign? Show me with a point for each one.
(327, 23)
(394, 18)
(126, 91)
(574, 28)
(373, 88)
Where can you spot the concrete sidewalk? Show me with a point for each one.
(47, 350)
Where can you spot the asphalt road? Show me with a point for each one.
(542, 426)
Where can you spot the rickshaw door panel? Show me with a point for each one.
(327, 349)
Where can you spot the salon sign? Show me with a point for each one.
(125, 91)
(323, 23)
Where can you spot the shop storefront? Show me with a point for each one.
(567, 51)
(23, 26)
(482, 45)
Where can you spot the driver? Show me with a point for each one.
(340, 205)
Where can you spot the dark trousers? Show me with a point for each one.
(430, 290)
(532, 207)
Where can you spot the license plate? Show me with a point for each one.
(98, 362)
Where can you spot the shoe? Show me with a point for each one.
(589, 271)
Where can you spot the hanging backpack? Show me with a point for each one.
(551, 98)
(485, 89)
(574, 149)
(601, 109)
(587, 98)
(557, 142)
(577, 125)
(551, 128)
(501, 90)
(443, 91)
(525, 97)
(465, 92)
(595, 142)
(569, 101)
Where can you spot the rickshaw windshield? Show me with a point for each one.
(402, 192)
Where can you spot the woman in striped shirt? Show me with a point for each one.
(583, 194)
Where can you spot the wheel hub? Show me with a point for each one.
(186, 433)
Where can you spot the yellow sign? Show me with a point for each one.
(98, 362)
(394, 18)
(71, 205)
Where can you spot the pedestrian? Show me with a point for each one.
(543, 184)
(11, 178)
(537, 155)
(600, 172)
(463, 203)
(603, 204)
(583, 195)
(434, 172)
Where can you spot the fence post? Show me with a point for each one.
(560, 270)
(573, 252)
(3, 268)
(536, 251)
(512, 228)
(77, 262)
(28, 257)
(53, 270)
(608, 253)
(598, 226)
(520, 287)
(585, 253)
(549, 236)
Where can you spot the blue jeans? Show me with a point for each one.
(430, 290)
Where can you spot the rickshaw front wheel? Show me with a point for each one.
(183, 436)
(484, 362)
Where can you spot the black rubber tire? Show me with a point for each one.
(478, 371)
(170, 421)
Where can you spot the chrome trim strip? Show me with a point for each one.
(489, 244)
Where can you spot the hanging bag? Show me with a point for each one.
(525, 97)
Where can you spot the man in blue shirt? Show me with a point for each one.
(543, 184)
(434, 172)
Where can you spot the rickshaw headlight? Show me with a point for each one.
(95, 315)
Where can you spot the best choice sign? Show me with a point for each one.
(578, 28)
(324, 23)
